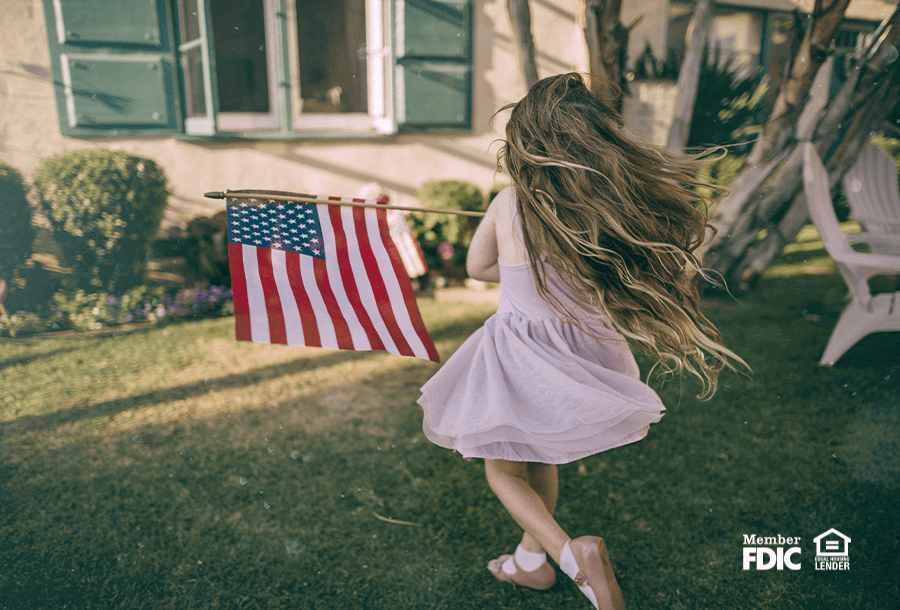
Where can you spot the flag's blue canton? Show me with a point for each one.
(292, 227)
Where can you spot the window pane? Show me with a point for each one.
(190, 20)
(239, 40)
(194, 92)
(332, 45)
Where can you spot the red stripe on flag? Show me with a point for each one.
(341, 330)
(277, 332)
(239, 293)
(378, 287)
(348, 279)
(406, 288)
(307, 316)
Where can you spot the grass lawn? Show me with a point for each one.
(176, 468)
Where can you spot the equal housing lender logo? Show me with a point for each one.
(832, 551)
(780, 552)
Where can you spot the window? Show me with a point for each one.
(332, 57)
(340, 65)
(241, 35)
(260, 68)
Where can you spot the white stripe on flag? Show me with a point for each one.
(363, 284)
(323, 320)
(335, 279)
(395, 294)
(256, 299)
(409, 254)
(292, 324)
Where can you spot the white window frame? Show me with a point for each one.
(200, 125)
(379, 119)
(286, 118)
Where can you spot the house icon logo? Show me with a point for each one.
(832, 551)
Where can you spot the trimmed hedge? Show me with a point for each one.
(16, 232)
(105, 208)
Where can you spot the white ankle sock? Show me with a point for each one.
(569, 567)
(527, 560)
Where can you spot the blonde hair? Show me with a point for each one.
(617, 219)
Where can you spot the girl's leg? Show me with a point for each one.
(544, 480)
(585, 560)
(523, 502)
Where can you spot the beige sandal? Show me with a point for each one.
(541, 579)
(595, 571)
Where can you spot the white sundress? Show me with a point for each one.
(531, 387)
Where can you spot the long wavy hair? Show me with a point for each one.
(617, 219)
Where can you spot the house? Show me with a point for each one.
(753, 32)
(319, 96)
(832, 544)
(755, 35)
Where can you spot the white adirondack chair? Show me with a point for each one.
(873, 193)
(864, 314)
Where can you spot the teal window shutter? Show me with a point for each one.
(114, 67)
(433, 64)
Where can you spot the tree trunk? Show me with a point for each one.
(689, 76)
(866, 103)
(867, 97)
(815, 48)
(520, 16)
(736, 216)
(607, 45)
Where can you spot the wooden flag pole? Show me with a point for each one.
(301, 198)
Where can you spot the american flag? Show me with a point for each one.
(323, 276)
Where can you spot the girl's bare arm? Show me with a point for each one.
(481, 262)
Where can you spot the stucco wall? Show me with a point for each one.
(29, 130)
(650, 110)
(652, 29)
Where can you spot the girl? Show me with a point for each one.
(594, 243)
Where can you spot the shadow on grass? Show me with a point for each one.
(247, 511)
(29, 358)
(191, 390)
(253, 508)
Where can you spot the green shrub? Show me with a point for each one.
(726, 103)
(720, 171)
(16, 232)
(86, 311)
(433, 229)
(104, 207)
(82, 310)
